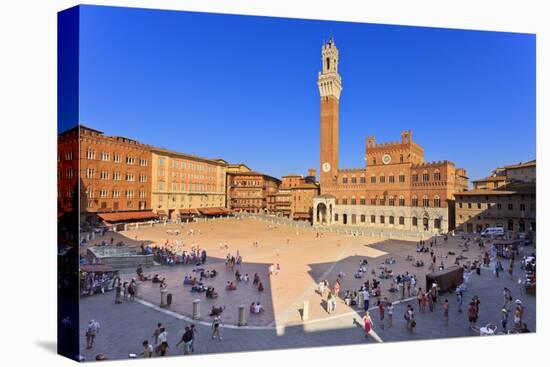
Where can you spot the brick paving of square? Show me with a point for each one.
(304, 261)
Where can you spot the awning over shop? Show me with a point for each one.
(214, 211)
(189, 212)
(127, 216)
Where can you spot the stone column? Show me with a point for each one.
(163, 297)
(196, 309)
(125, 227)
(305, 311)
(242, 315)
(361, 300)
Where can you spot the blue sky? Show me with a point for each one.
(244, 88)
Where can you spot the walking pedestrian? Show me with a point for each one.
(216, 323)
(186, 339)
(459, 299)
(367, 324)
(389, 309)
(381, 311)
(366, 296)
(147, 349)
(91, 332)
(446, 312)
(472, 314)
(504, 320)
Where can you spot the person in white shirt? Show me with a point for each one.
(366, 296)
(258, 307)
(91, 332)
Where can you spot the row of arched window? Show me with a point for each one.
(392, 201)
(382, 219)
(391, 178)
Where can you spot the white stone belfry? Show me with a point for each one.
(329, 81)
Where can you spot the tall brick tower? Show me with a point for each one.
(330, 87)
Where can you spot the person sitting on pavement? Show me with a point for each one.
(258, 308)
(261, 287)
(231, 286)
(211, 293)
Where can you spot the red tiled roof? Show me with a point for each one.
(122, 216)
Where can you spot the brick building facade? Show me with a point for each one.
(397, 189)
(250, 191)
(114, 174)
(67, 171)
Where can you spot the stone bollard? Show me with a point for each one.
(165, 223)
(137, 225)
(242, 315)
(163, 298)
(196, 309)
(305, 311)
(125, 227)
(361, 302)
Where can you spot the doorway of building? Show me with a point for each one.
(344, 218)
(425, 223)
(322, 213)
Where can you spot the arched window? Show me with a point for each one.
(353, 179)
(414, 201)
(437, 223)
(362, 179)
(382, 219)
(425, 201)
(402, 221)
(401, 177)
(345, 180)
(353, 200)
(391, 178)
(373, 218)
(437, 202)
(401, 201)
(401, 158)
(425, 176)
(362, 201)
(392, 201)
(345, 200)
(415, 221)
(372, 200)
(382, 179)
(392, 219)
(373, 179)
(437, 175)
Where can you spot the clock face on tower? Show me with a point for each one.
(386, 158)
(326, 167)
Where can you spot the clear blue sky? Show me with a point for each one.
(244, 88)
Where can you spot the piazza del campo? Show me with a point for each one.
(174, 239)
